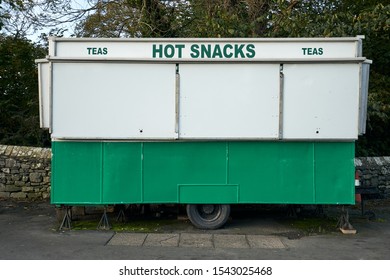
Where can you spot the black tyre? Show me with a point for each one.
(208, 216)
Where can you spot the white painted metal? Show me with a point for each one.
(44, 94)
(365, 69)
(122, 91)
(222, 60)
(321, 101)
(113, 101)
(295, 48)
(237, 101)
(183, 40)
(357, 183)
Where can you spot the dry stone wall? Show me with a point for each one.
(25, 172)
(374, 172)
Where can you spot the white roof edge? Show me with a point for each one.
(42, 60)
(147, 60)
(265, 40)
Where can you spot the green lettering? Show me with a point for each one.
(194, 51)
(320, 51)
(217, 52)
(169, 51)
(180, 50)
(97, 51)
(304, 51)
(157, 51)
(205, 51)
(250, 51)
(227, 53)
(310, 51)
(238, 51)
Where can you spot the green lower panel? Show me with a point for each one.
(122, 173)
(212, 194)
(202, 172)
(335, 173)
(167, 165)
(76, 173)
(273, 172)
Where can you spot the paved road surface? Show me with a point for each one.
(30, 231)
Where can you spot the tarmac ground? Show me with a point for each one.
(30, 230)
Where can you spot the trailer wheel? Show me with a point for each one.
(208, 216)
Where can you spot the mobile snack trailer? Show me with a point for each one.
(203, 122)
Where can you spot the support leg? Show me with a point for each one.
(121, 215)
(293, 210)
(319, 210)
(344, 224)
(104, 223)
(67, 220)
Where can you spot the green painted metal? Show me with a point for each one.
(335, 173)
(203, 172)
(167, 165)
(76, 173)
(273, 172)
(211, 194)
(122, 173)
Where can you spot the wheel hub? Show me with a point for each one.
(208, 209)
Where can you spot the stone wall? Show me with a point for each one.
(374, 172)
(24, 172)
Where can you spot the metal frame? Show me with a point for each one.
(209, 60)
(51, 97)
(40, 94)
(331, 39)
(363, 96)
(177, 101)
(281, 94)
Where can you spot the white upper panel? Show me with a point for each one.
(224, 89)
(321, 101)
(113, 101)
(219, 101)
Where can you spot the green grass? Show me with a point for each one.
(380, 220)
(315, 225)
(147, 225)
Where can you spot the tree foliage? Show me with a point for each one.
(134, 18)
(19, 111)
(176, 18)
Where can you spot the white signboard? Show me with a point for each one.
(205, 49)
